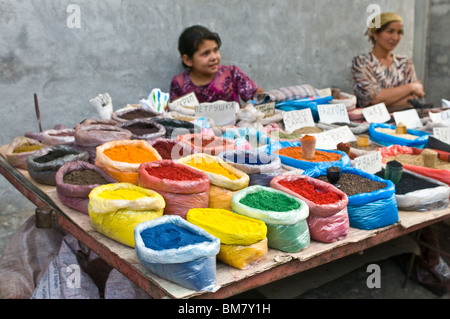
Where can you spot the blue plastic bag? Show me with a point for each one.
(305, 165)
(388, 140)
(300, 104)
(192, 266)
(367, 210)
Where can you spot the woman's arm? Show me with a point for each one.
(397, 98)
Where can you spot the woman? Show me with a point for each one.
(382, 76)
(205, 76)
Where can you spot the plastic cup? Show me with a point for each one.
(393, 172)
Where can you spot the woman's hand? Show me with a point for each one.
(417, 89)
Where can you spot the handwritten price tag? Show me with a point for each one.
(329, 140)
(442, 117)
(377, 113)
(268, 108)
(186, 100)
(409, 117)
(295, 120)
(369, 163)
(442, 134)
(333, 113)
(222, 113)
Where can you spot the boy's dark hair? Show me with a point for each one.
(192, 37)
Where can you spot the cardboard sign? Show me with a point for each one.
(442, 134)
(295, 120)
(442, 117)
(221, 112)
(189, 99)
(377, 113)
(268, 108)
(329, 140)
(369, 163)
(409, 117)
(333, 113)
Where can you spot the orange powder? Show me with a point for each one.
(320, 156)
(130, 154)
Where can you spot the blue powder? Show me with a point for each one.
(169, 236)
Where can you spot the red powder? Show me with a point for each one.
(308, 191)
(172, 172)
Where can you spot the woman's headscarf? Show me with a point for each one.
(385, 18)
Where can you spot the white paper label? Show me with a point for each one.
(268, 108)
(329, 140)
(442, 134)
(442, 117)
(377, 113)
(186, 100)
(369, 163)
(325, 92)
(409, 117)
(295, 120)
(222, 113)
(333, 113)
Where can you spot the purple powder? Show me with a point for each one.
(169, 236)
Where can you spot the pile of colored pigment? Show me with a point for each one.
(84, 177)
(130, 154)
(173, 172)
(270, 201)
(320, 156)
(212, 167)
(308, 191)
(169, 236)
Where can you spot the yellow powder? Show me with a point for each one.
(126, 194)
(231, 228)
(211, 167)
(393, 133)
(27, 148)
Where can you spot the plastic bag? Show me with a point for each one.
(77, 196)
(122, 171)
(308, 102)
(116, 218)
(144, 129)
(98, 134)
(229, 227)
(442, 175)
(243, 256)
(220, 197)
(258, 165)
(174, 127)
(305, 165)
(19, 159)
(433, 198)
(327, 222)
(64, 136)
(130, 113)
(217, 179)
(170, 148)
(286, 231)
(179, 195)
(191, 266)
(367, 210)
(43, 164)
(387, 140)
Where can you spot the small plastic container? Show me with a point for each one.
(308, 144)
(394, 170)
(363, 140)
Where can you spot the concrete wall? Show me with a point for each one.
(127, 48)
(437, 78)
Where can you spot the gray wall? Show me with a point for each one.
(127, 48)
(437, 78)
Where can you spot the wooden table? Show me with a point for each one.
(277, 264)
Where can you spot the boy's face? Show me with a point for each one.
(206, 59)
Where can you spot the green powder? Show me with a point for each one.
(270, 201)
